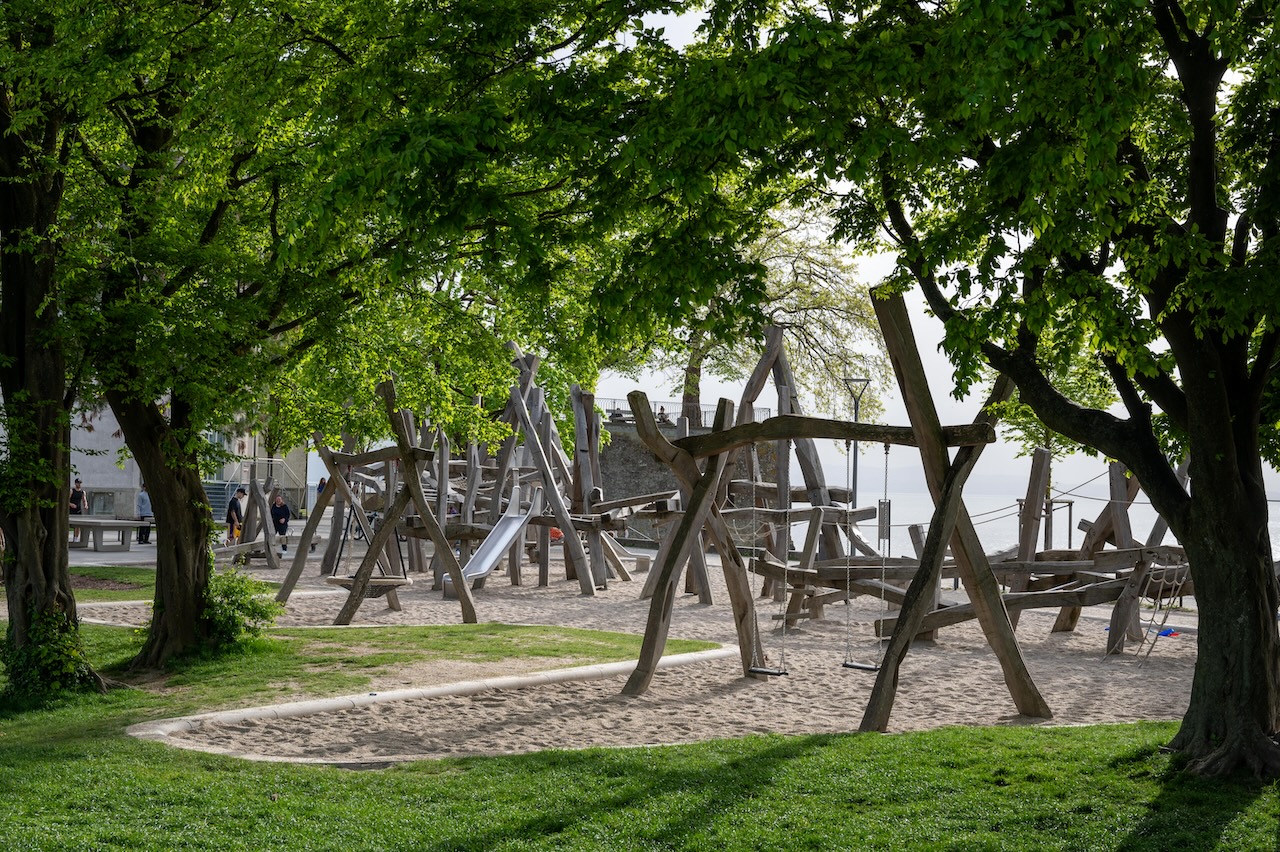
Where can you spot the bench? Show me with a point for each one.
(93, 529)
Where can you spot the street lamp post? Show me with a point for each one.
(857, 387)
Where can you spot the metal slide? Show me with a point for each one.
(505, 533)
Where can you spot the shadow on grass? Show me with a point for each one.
(1190, 812)
(661, 800)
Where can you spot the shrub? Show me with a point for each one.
(237, 608)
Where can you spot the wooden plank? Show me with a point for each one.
(965, 546)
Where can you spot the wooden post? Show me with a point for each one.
(304, 544)
(413, 487)
(1029, 520)
(974, 569)
(735, 570)
(574, 552)
(919, 597)
(360, 580)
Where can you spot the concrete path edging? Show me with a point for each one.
(162, 730)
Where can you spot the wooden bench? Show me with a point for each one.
(96, 528)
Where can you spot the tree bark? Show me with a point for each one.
(184, 524)
(35, 461)
(691, 387)
(1233, 720)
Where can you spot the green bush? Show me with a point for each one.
(238, 608)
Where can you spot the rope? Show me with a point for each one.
(1152, 631)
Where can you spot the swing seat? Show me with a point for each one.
(764, 670)
(862, 667)
(377, 587)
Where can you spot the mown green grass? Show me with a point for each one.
(73, 780)
(141, 583)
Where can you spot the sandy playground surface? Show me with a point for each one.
(953, 681)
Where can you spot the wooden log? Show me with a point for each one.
(1091, 595)
(1030, 516)
(414, 493)
(965, 545)
(735, 570)
(360, 580)
(800, 426)
(920, 594)
(701, 502)
(575, 555)
(304, 544)
(815, 485)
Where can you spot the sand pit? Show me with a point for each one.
(953, 681)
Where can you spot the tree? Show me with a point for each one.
(1100, 178)
(825, 315)
(201, 191)
(37, 135)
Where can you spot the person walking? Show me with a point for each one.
(280, 515)
(142, 508)
(235, 517)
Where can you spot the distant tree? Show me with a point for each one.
(813, 295)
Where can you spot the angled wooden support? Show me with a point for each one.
(304, 544)
(359, 582)
(413, 491)
(575, 555)
(919, 598)
(735, 570)
(975, 571)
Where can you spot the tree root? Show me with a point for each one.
(1259, 755)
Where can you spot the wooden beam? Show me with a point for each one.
(414, 493)
(685, 537)
(798, 426)
(735, 570)
(895, 323)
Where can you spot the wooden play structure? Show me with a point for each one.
(475, 511)
(824, 572)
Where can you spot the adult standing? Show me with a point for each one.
(79, 506)
(142, 508)
(280, 515)
(235, 517)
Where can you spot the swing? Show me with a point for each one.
(759, 666)
(883, 528)
(380, 585)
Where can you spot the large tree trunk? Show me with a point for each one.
(184, 524)
(1234, 716)
(35, 456)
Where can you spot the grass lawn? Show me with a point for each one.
(72, 780)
